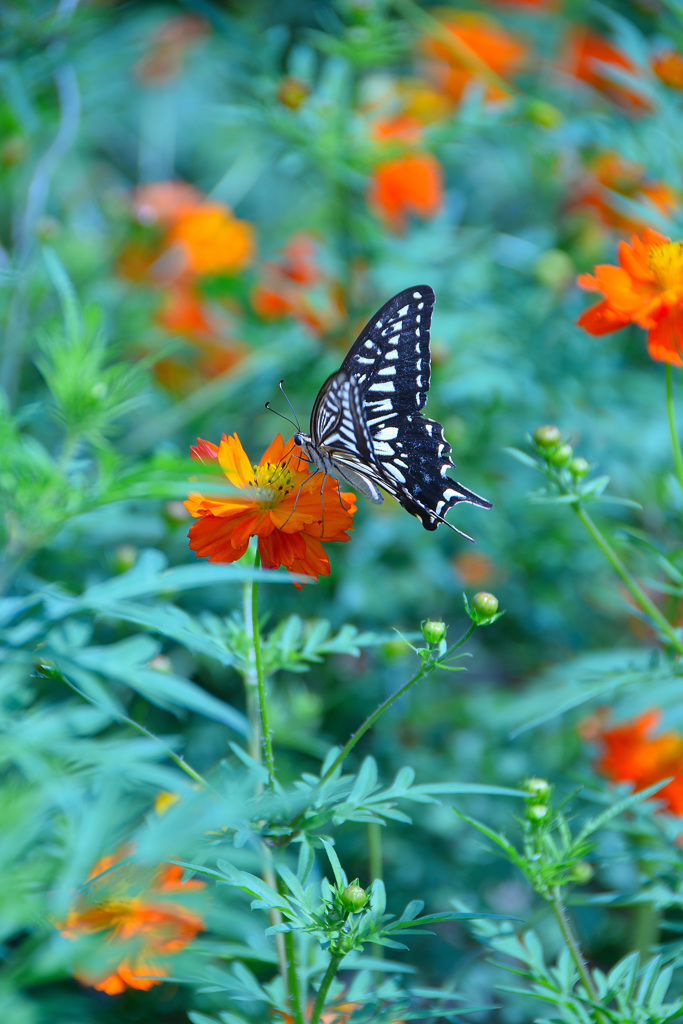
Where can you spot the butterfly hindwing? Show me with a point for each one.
(366, 424)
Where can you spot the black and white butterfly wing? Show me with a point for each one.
(366, 423)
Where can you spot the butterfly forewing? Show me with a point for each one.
(366, 424)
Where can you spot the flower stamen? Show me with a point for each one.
(666, 263)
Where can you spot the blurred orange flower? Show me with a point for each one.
(632, 754)
(280, 502)
(668, 67)
(611, 173)
(212, 240)
(646, 289)
(479, 45)
(286, 288)
(411, 184)
(169, 46)
(589, 56)
(140, 917)
(162, 202)
(405, 128)
(338, 1014)
(473, 569)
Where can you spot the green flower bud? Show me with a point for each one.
(537, 812)
(544, 113)
(547, 437)
(578, 467)
(537, 787)
(354, 897)
(346, 945)
(555, 269)
(434, 631)
(485, 605)
(562, 455)
(582, 872)
(125, 557)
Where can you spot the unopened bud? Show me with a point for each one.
(537, 787)
(537, 812)
(547, 437)
(578, 467)
(434, 631)
(484, 605)
(582, 872)
(293, 92)
(354, 897)
(562, 455)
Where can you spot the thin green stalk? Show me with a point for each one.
(257, 704)
(176, 758)
(426, 667)
(319, 1005)
(572, 943)
(291, 976)
(671, 412)
(636, 591)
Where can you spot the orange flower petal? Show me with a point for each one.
(665, 340)
(601, 319)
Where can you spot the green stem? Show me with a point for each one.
(427, 666)
(292, 976)
(176, 758)
(572, 944)
(675, 443)
(636, 591)
(257, 704)
(319, 1005)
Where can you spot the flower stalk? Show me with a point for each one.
(671, 413)
(257, 702)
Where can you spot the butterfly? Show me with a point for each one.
(366, 425)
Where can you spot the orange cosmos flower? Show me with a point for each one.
(411, 184)
(163, 202)
(479, 46)
(281, 503)
(140, 916)
(586, 55)
(632, 754)
(646, 289)
(609, 172)
(296, 286)
(212, 240)
(668, 67)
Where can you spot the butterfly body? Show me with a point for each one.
(366, 423)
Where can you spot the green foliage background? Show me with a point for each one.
(101, 591)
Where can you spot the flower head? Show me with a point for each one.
(590, 57)
(668, 67)
(630, 753)
(478, 44)
(212, 240)
(610, 174)
(405, 185)
(141, 917)
(280, 502)
(646, 289)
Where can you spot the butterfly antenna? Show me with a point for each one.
(295, 421)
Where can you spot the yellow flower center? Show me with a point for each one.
(666, 263)
(274, 481)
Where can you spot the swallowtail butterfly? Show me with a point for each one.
(366, 424)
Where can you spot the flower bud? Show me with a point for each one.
(125, 557)
(582, 872)
(354, 897)
(537, 787)
(547, 437)
(484, 605)
(537, 812)
(434, 631)
(578, 467)
(562, 455)
(554, 268)
(293, 92)
(346, 945)
(544, 113)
